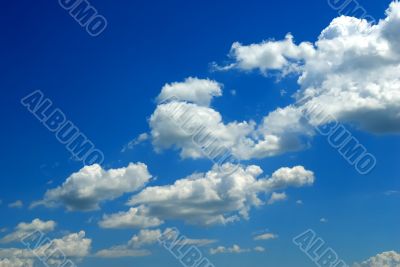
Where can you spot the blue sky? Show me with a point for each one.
(108, 87)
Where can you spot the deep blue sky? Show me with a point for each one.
(107, 85)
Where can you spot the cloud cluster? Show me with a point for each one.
(208, 198)
(23, 229)
(276, 197)
(134, 247)
(145, 238)
(385, 259)
(235, 249)
(351, 70)
(87, 188)
(73, 246)
(15, 262)
(269, 55)
(190, 125)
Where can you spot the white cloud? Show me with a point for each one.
(73, 246)
(134, 218)
(198, 242)
(122, 252)
(16, 204)
(145, 238)
(15, 262)
(296, 177)
(259, 249)
(323, 220)
(351, 70)
(133, 247)
(385, 259)
(276, 197)
(175, 124)
(214, 197)
(87, 188)
(266, 236)
(138, 140)
(269, 55)
(192, 129)
(195, 90)
(23, 229)
(234, 249)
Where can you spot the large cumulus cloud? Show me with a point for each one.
(210, 198)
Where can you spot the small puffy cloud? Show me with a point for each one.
(145, 238)
(194, 90)
(275, 197)
(133, 218)
(299, 202)
(16, 204)
(259, 249)
(150, 237)
(198, 242)
(234, 249)
(392, 192)
(122, 252)
(87, 188)
(323, 220)
(297, 176)
(385, 259)
(133, 247)
(215, 197)
(266, 236)
(138, 140)
(23, 229)
(15, 262)
(269, 55)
